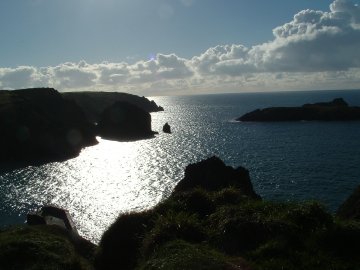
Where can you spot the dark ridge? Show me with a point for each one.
(94, 103)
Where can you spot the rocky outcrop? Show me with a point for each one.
(124, 121)
(166, 128)
(38, 124)
(336, 110)
(52, 215)
(350, 209)
(213, 175)
(94, 103)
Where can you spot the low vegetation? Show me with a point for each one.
(225, 230)
(43, 247)
(223, 227)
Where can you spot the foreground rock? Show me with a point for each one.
(350, 209)
(124, 121)
(213, 175)
(38, 124)
(336, 110)
(52, 215)
(94, 103)
(174, 234)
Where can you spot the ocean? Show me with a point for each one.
(291, 161)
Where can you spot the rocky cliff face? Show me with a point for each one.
(94, 103)
(38, 124)
(124, 121)
(350, 209)
(336, 110)
(213, 175)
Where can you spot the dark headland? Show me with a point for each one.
(336, 110)
(40, 124)
(94, 103)
(124, 121)
(213, 220)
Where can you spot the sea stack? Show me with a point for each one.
(166, 128)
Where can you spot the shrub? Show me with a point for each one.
(228, 196)
(39, 247)
(309, 216)
(180, 255)
(120, 244)
(238, 228)
(172, 226)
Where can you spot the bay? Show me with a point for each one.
(287, 161)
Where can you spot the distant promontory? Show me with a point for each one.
(39, 124)
(124, 121)
(94, 103)
(335, 110)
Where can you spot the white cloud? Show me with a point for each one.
(20, 76)
(315, 50)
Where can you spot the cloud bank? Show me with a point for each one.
(316, 50)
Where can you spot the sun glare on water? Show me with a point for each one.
(111, 184)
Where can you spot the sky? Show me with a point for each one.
(176, 47)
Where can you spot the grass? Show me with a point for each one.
(180, 255)
(198, 229)
(39, 247)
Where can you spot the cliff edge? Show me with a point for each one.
(38, 124)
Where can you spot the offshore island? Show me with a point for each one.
(335, 110)
(213, 219)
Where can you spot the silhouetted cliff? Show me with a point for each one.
(38, 124)
(213, 175)
(215, 220)
(336, 110)
(94, 103)
(350, 209)
(124, 121)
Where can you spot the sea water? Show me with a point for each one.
(289, 161)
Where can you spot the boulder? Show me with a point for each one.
(125, 121)
(52, 215)
(213, 175)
